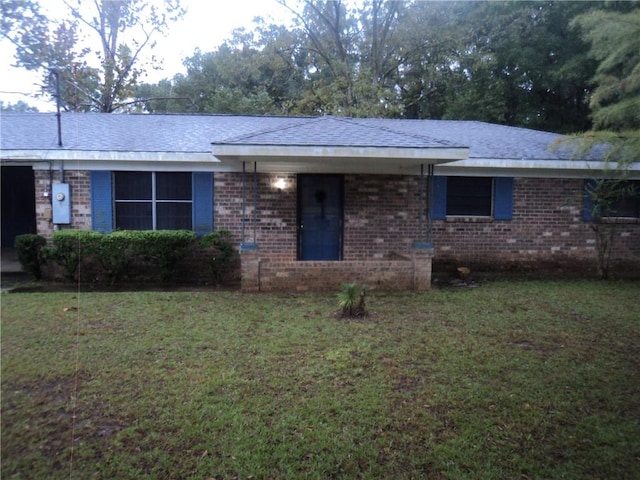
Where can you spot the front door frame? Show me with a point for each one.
(299, 220)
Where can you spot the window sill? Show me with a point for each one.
(461, 219)
(620, 220)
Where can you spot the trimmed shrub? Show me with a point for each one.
(29, 248)
(219, 242)
(134, 254)
(165, 248)
(118, 252)
(71, 248)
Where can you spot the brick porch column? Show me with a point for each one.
(249, 269)
(422, 256)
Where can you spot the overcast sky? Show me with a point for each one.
(206, 25)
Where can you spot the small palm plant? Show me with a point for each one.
(351, 300)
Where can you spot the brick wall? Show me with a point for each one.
(380, 214)
(547, 232)
(381, 220)
(275, 224)
(80, 200)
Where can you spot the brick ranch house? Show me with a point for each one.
(314, 201)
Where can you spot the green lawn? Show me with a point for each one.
(511, 380)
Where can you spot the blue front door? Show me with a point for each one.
(320, 217)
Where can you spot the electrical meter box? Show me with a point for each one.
(61, 203)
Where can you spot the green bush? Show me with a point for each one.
(220, 242)
(29, 248)
(165, 248)
(71, 248)
(118, 251)
(126, 253)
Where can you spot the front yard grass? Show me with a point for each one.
(511, 380)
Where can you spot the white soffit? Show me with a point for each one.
(330, 159)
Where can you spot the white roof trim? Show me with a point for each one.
(438, 154)
(532, 168)
(100, 155)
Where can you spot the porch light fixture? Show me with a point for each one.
(280, 184)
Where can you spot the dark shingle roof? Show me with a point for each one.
(197, 133)
(338, 132)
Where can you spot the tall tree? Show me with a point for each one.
(520, 63)
(615, 43)
(614, 37)
(254, 72)
(123, 30)
(351, 56)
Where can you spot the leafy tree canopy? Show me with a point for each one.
(615, 43)
(19, 106)
(515, 63)
(122, 29)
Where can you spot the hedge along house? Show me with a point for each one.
(315, 201)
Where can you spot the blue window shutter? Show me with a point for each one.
(503, 202)
(101, 202)
(587, 200)
(439, 198)
(202, 203)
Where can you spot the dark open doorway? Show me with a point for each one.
(18, 203)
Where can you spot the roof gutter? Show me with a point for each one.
(533, 168)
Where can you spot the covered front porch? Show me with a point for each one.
(314, 214)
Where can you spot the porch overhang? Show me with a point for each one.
(336, 159)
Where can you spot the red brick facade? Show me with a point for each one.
(382, 220)
(547, 232)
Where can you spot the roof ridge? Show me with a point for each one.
(396, 132)
(291, 124)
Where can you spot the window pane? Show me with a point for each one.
(469, 196)
(134, 216)
(173, 186)
(132, 185)
(627, 206)
(173, 216)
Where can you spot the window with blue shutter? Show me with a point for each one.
(503, 198)
(472, 197)
(101, 202)
(152, 200)
(587, 200)
(469, 196)
(202, 203)
(439, 198)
